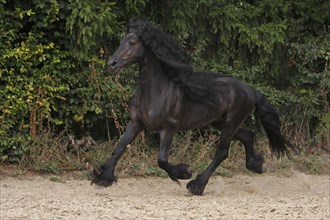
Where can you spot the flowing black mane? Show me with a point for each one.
(177, 63)
(161, 44)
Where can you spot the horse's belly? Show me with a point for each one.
(156, 120)
(198, 116)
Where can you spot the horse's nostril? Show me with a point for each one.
(113, 64)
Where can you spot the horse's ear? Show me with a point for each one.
(136, 24)
(133, 24)
(138, 19)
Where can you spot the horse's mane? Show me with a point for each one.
(176, 62)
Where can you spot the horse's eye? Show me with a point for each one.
(131, 42)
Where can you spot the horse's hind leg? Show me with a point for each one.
(253, 162)
(175, 172)
(197, 185)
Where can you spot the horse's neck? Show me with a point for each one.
(152, 79)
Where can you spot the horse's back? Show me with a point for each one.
(239, 96)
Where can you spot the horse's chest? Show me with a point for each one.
(157, 115)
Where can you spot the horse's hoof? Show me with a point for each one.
(182, 171)
(256, 164)
(196, 187)
(100, 178)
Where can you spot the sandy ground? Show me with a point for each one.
(266, 196)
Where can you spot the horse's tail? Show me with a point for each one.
(270, 120)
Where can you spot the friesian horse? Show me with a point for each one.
(172, 97)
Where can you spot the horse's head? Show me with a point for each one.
(131, 50)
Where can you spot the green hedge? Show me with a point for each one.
(53, 55)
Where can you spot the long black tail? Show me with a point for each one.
(270, 120)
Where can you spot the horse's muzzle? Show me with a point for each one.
(113, 65)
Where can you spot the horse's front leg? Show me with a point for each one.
(175, 172)
(105, 175)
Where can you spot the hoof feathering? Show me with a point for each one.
(256, 164)
(182, 171)
(196, 187)
(101, 178)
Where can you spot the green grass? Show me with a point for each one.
(49, 155)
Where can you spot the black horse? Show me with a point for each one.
(172, 97)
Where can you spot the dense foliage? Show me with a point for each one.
(53, 53)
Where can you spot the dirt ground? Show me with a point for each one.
(266, 196)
